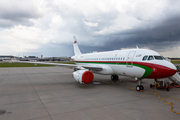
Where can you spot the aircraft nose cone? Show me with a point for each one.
(172, 66)
(170, 71)
(163, 71)
(174, 69)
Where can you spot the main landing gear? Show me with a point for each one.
(139, 87)
(114, 78)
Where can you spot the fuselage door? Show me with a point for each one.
(129, 61)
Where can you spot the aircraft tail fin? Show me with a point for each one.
(76, 47)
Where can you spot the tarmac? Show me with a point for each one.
(51, 93)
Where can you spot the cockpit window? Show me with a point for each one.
(145, 57)
(158, 57)
(150, 57)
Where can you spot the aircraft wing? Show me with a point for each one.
(48, 63)
(91, 67)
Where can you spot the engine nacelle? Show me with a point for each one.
(83, 76)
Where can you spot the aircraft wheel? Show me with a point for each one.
(138, 88)
(114, 78)
(142, 87)
(168, 89)
(150, 85)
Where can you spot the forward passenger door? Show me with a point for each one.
(129, 61)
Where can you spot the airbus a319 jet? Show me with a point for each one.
(135, 63)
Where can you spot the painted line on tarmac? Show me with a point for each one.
(151, 92)
(134, 88)
(157, 93)
(131, 88)
(172, 98)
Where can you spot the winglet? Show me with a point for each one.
(76, 48)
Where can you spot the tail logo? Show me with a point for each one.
(75, 41)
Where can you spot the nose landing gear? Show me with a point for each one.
(139, 87)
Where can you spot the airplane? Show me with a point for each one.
(135, 63)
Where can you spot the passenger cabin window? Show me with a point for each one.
(158, 57)
(145, 57)
(150, 57)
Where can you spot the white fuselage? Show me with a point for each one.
(126, 62)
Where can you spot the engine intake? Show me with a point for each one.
(83, 76)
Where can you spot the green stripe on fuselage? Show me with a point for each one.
(147, 72)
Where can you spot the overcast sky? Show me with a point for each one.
(47, 27)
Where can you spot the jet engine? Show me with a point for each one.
(83, 76)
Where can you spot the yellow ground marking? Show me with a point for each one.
(172, 98)
(134, 88)
(171, 104)
(131, 88)
(151, 92)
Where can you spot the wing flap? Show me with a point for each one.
(90, 67)
(94, 68)
(46, 63)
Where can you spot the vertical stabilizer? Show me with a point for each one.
(76, 48)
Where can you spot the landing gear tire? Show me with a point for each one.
(150, 85)
(142, 87)
(168, 89)
(139, 87)
(114, 78)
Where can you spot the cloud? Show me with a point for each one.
(18, 12)
(22, 38)
(57, 22)
(41, 26)
(91, 24)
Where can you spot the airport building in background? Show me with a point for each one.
(32, 58)
(8, 57)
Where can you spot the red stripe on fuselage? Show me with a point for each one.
(159, 71)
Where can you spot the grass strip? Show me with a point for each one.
(24, 65)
